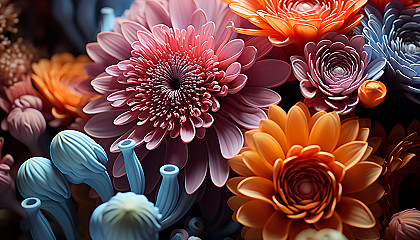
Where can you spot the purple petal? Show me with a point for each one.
(246, 116)
(268, 73)
(196, 168)
(229, 135)
(101, 125)
(262, 45)
(114, 44)
(258, 97)
(156, 14)
(307, 89)
(219, 167)
(98, 55)
(187, 131)
(181, 12)
(106, 84)
(300, 68)
(230, 53)
(129, 30)
(237, 84)
(248, 57)
(198, 19)
(176, 152)
(98, 106)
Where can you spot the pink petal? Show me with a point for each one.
(246, 116)
(158, 136)
(176, 152)
(198, 19)
(268, 73)
(237, 84)
(114, 44)
(300, 68)
(98, 55)
(219, 167)
(210, 7)
(258, 97)
(98, 106)
(196, 168)
(307, 89)
(137, 133)
(231, 73)
(187, 131)
(248, 57)
(101, 125)
(129, 30)
(230, 53)
(106, 84)
(262, 45)
(156, 14)
(181, 12)
(229, 135)
(125, 117)
(93, 69)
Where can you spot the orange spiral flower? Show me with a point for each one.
(302, 171)
(372, 93)
(297, 21)
(57, 80)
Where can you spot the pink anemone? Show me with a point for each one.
(183, 80)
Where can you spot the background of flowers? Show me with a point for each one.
(46, 32)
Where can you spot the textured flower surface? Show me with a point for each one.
(404, 225)
(297, 21)
(57, 79)
(395, 36)
(312, 234)
(187, 83)
(305, 172)
(372, 93)
(332, 70)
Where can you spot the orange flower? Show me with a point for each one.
(372, 93)
(297, 21)
(57, 80)
(302, 171)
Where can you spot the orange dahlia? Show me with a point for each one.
(297, 21)
(301, 171)
(57, 80)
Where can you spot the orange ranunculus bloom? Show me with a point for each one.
(296, 21)
(372, 93)
(301, 171)
(57, 80)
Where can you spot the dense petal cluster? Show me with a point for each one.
(404, 225)
(295, 21)
(333, 69)
(188, 81)
(302, 171)
(395, 36)
(57, 80)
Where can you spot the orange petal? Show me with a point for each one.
(232, 185)
(279, 40)
(294, 150)
(309, 151)
(253, 234)
(368, 152)
(305, 109)
(272, 128)
(333, 222)
(257, 165)
(297, 129)
(257, 187)
(360, 176)
(363, 233)
(267, 147)
(355, 213)
(279, 24)
(249, 138)
(277, 227)
(363, 134)
(237, 165)
(236, 202)
(305, 31)
(315, 118)
(254, 213)
(349, 132)
(325, 132)
(370, 194)
(350, 153)
(313, 218)
(278, 115)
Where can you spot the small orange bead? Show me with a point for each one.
(372, 93)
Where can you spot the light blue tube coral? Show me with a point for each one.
(135, 173)
(126, 216)
(82, 160)
(169, 190)
(37, 177)
(38, 224)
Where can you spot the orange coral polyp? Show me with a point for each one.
(297, 22)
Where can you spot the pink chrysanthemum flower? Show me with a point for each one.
(184, 80)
